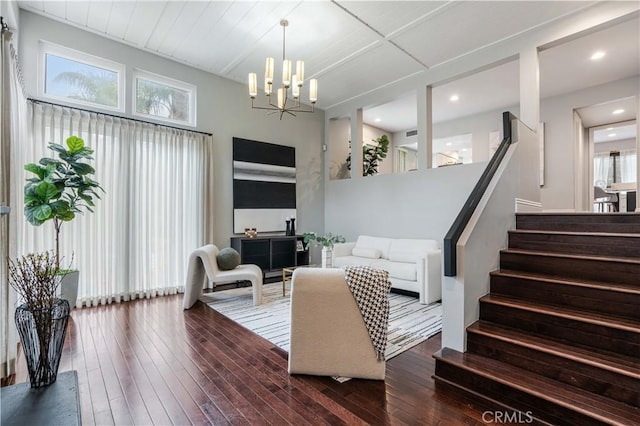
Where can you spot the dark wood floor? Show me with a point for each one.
(149, 362)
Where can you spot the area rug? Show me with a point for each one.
(409, 322)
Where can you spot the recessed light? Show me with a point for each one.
(377, 120)
(597, 55)
(609, 128)
(611, 135)
(449, 143)
(618, 111)
(464, 149)
(454, 98)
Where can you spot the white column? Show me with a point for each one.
(356, 144)
(530, 88)
(425, 128)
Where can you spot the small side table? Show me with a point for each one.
(288, 272)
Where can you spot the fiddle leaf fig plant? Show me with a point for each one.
(61, 187)
(372, 155)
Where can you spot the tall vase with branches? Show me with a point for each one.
(62, 187)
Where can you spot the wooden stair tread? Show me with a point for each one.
(611, 321)
(610, 361)
(617, 287)
(542, 387)
(628, 260)
(576, 233)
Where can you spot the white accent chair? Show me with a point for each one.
(328, 336)
(203, 265)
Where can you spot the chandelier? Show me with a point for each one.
(294, 82)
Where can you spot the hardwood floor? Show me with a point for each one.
(149, 362)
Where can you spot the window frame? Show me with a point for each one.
(87, 59)
(166, 81)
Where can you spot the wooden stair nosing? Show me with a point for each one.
(627, 260)
(542, 387)
(596, 285)
(624, 324)
(554, 347)
(575, 233)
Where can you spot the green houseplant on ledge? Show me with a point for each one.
(326, 241)
(61, 189)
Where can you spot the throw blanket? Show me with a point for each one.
(370, 288)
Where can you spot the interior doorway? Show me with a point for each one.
(607, 149)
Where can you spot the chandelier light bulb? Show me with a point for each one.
(286, 73)
(268, 70)
(300, 72)
(313, 90)
(281, 95)
(253, 84)
(268, 87)
(295, 87)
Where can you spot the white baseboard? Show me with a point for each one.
(527, 206)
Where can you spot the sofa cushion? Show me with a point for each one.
(370, 253)
(403, 271)
(382, 244)
(407, 250)
(341, 261)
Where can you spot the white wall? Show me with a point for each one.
(223, 109)
(416, 204)
(338, 148)
(620, 145)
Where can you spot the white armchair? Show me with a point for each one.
(203, 264)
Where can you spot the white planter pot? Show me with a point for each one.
(69, 288)
(327, 257)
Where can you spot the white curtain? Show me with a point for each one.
(153, 214)
(601, 163)
(628, 165)
(13, 121)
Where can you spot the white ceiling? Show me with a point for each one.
(355, 47)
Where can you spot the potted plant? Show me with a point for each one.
(61, 188)
(42, 318)
(326, 241)
(372, 155)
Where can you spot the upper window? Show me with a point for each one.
(164, 98)
(81, 78)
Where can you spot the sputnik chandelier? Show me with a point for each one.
(295, 82)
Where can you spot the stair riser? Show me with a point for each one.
(521, 401)
(596, 245)
(584, 376)
(574, 331)
(615, 223)
(590, 299)
(487, 407)
(572, 268)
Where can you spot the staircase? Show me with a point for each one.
(558, 339)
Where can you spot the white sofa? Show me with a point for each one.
(413, 265)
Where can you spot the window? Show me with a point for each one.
(164, 98)
(81, 78)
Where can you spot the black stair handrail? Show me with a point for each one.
(458, 226)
